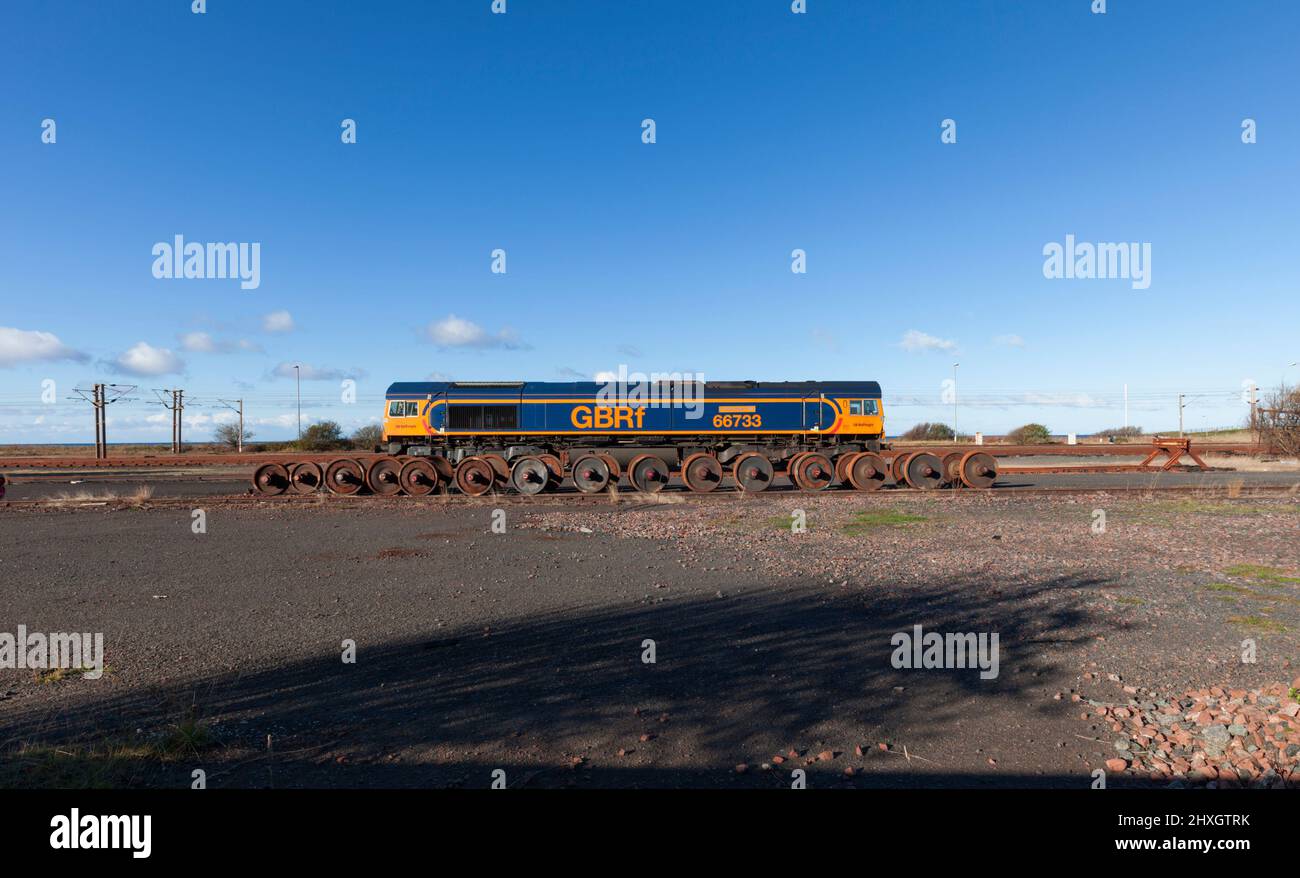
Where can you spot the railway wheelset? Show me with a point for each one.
(594, 471)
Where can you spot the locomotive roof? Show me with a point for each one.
(866, 389)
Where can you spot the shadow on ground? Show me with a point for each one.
(737, 678)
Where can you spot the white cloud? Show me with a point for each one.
(277, 321)
(914, 340)
(30, 346)
(605, 377)
(1009, 341)
(198, 342)
(146, 360)
(203, 343)
(314, 373)
(453, 332)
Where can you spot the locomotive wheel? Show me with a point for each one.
(271, 478)
(952, 468)
(419, 477)
(475, 476)
(385, 476)
(446, 472)
(702, 472)
(753, 472)
(530, 475)
(842, 464)
(648, 474)
(305, 478)
(898, 466)
(792, 469)
(978, 469)
(344, 476)
(814, 471)
(554, 467)
(500, 469)
(614, 469)
(868, 472)
(591, 474)
(924, 471)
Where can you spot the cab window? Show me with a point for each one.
(869, 407)
(395, 409)
(855, 406)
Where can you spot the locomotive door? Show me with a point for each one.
(436, 420)
(813, 412)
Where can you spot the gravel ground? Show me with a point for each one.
(525, 651)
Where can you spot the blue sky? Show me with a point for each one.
(523, 131)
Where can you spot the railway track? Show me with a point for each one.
(632, 501)
(250, 459)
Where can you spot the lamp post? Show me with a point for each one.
(954, 401)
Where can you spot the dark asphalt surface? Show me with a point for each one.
(523, 651)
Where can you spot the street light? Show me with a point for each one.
(954, 401)
(297, 374)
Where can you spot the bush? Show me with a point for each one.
(927, 432)
(1029, 434)
(367, 438)
(228, 435)
(322, 436)
(1120, 432)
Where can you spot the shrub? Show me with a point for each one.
(322, 436)
(228, 435)
(367, 438)
(1029, 434)
(927, 432)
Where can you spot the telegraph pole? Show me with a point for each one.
(177, 407)
(297, 371)
(1180, 415)
(100, 400)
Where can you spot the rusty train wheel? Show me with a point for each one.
(979, 469)
(792, 469)
(753, 472)
(897, 467)
(648, 474)
(614, 469)
(868, 472)
(446, 472)
(701, 472)
(554, 467)
(591, 474)
(842, 464)
(814, 471)
(419, 477)
(344, 476)
(271, 478)
(952, 468)
(500, 469)
(924, 471)
(475, 476)
(530, 475)
(384, 476)
(305, 478)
